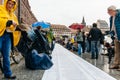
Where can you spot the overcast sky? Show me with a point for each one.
(67, 12)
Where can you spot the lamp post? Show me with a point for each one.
(19, 18)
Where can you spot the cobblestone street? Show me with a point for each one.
(102, 63)
(24, 74)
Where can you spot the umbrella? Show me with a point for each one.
(42, 24)
(76, 26)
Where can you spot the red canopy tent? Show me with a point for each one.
(76, 26)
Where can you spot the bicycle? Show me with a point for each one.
(13, 55)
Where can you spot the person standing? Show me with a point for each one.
(88, 44)
(84, 42)
(79, 38)
(50, 37)
(95, 35)
(8, 36)
(115, 31)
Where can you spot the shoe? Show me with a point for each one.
(10, 77)
(96, 57)
(109, 62)
(118, 69)
(92, 58)
(50, 57)
(114, 67)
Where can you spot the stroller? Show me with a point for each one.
(35, 48)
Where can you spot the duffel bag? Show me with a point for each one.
(35, 61)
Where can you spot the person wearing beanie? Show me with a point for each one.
(115, 32)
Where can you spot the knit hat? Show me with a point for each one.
(112, 8)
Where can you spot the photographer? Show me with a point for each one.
(8, 36)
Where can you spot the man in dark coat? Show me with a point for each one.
(95, 35)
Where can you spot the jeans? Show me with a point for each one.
(79, 49)
(94, 49)
(52, 45)
(88, 45)
(5, 48)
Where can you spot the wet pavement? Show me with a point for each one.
(68, 66)
(102, 63)
(25, 74)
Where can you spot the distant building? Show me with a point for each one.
(1, 2)
(26, 14)
(83, 22)
(86, 29)
(60, 30)
(103, 25)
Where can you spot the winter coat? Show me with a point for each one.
(79, 37)
(95, 34)
(117, 24)
(50, 35)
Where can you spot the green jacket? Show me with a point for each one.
(79, 37)
(50, 36)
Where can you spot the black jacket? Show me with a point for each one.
(95, 34)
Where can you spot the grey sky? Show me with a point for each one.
(71, 11)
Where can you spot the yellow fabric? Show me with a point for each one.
(72, 40)
(4, 17)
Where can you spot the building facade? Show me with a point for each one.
(26, 14)
(60, 30)
(0, 1)
(103, 25)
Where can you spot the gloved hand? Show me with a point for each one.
(18, 29)
(9, 23)
(112, 33)
(112, 37)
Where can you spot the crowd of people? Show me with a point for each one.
(88, 42)
(81, 42)
(92, 41)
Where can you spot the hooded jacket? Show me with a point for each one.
(4, 17)
(50, 35)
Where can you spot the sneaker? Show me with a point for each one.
(114, 67)
(118, 69)
(10, 77)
